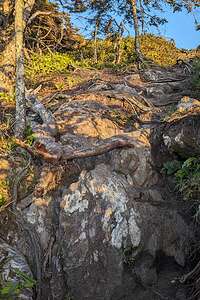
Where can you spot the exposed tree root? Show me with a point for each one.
(18, 178)
(69, 154)
(192, 274)
(44, 114)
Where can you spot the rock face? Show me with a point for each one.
(181, 134)
(103, 227)
(104, 215)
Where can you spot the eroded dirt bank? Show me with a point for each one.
(102, 222)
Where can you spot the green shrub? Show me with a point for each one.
(45, 64)
(171, 167)
(155, 48)
(196, 74)
(159, 50)
(187, 176)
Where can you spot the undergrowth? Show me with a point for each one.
(7, 98)
(45, 64)
(9, 290)
(157, 49)
(29, 136)
(196, 77)
(7, 145)
(187, 176)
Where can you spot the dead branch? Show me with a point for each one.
(39, 13)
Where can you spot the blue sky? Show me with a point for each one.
(180, 27)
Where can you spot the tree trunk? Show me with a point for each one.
(136, 28)
(119, 44)
(95, 42)
(20, 117)
(142, 17)
(7, 57)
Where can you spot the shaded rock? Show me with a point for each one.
(145, 270)
(181, 134)
(12, 261)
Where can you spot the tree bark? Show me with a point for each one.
(136, 29)
(7, 58)
(142, 16)
(20, 116)
(119, 44)
(95, 41)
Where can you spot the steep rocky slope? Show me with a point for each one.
(102, 222)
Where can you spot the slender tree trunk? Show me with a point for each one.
(142, 16)
(20, 117)
(7, 57)
(119, 44)
(136, 28)
(95, 42)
